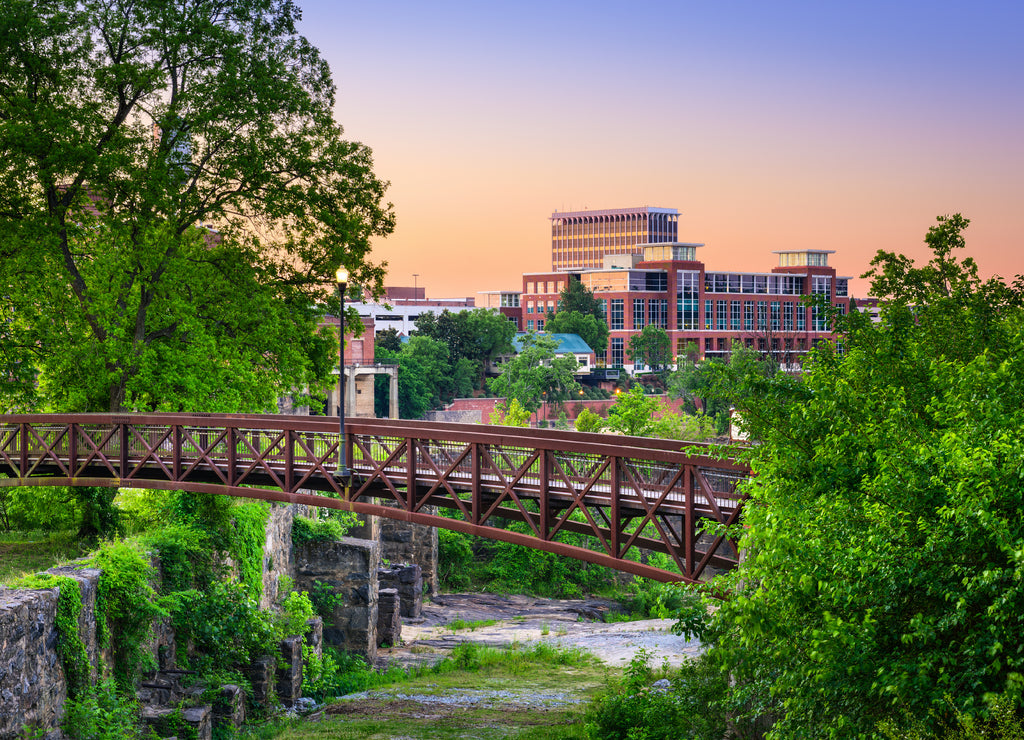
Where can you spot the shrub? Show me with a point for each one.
(125, 607)
(454, 557)
(101, 714)
(224, 626)
(688, 708)
(334, 527)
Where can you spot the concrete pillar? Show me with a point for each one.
(393, 401)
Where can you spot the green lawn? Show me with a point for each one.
(525, 694)
(26, 553)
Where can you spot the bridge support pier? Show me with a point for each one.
(349, 567)
(412, 544)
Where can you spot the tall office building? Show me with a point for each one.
(581, 239)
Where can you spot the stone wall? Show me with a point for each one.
(277, 550)
(458, 416)
(349, 567)
(33, 687)
(412, 544)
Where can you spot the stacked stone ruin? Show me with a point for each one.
(33, 689)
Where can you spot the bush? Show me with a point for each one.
(126, 606)
(688, 708)
(454, 558)
(101, 714)
(223, 625)
(328, 529)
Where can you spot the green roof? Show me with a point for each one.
(568, 343)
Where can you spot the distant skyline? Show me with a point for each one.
(768, 125)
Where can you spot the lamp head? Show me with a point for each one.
(341, 276)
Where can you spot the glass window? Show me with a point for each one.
(748, 315)
(775, 316)
(656, 281)
(618, 355)
(708, 315)
(659, 312)
(529, 287)
(688, 300)
(760, 284)
(801, 317)
(762, 315)
(639, 314)
(722, 316)
(819, 318)
(842, 286)
(617, 317)
(529, 325)
(787, 316)
(748, 283)
(540, 325)
(735, 315)
(529, 307)
(820, 285)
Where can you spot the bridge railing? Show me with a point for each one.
(624, 492)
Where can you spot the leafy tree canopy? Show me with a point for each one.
(576, 296)
(534, 372)
(177, 198)
(633, 413)
(480, 335)
(592, 330)
(651, 347)
(424, 375)
(883, 569)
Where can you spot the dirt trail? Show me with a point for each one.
(525, 619)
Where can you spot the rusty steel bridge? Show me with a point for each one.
(625, 493)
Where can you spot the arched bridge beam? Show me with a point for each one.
(624, 493)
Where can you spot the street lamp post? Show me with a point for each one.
(342, 278)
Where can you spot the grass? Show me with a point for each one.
(25, 553)
(406, 710)
(461, 624)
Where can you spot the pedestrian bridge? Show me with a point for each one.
(627, 494)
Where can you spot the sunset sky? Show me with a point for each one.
(769, 125)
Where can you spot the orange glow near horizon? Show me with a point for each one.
(772, 129)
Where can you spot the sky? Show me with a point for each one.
(768, 125)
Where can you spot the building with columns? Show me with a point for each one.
(581, 239)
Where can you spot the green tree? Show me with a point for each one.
(534, 371)
(633, 413)
(651, 347)
(388, 339)
(510, 414)
(592, 330)
(588, 421)
(684, 427)
(883, 576)
(424, 375)
(177, 197)
(576, 296)
(478, 336)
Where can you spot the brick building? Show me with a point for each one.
(666, 285)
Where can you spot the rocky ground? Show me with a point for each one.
(524, 619)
